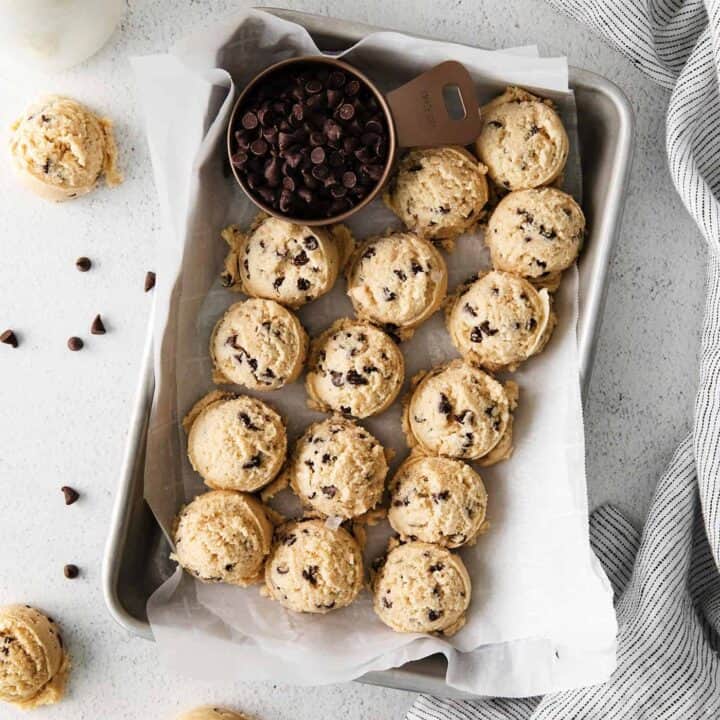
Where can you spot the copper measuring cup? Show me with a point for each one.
(416, 114)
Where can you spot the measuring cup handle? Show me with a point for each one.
(420, 112)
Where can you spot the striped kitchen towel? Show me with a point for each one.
(667, 584)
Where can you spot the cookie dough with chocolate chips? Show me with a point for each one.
(258, 344)
(499, 320)
(397, 280)
(354, 368)
(536, 234)
(277, 260)
(313, 568)
(459, 411)
(34, 665)
(338, 468)
(61, 149)
(522, 141)
(439, 193)
(223, 536)
(437, 500)
(235, 442)
(212, 713)
(422, 588)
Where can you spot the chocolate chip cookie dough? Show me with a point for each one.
(523, 141)
(459, 411)
(397, 280)
(277, 260)
(439, 193)
(235, 442)
(422, 588)
(499, 320)
(354, 368)
(313, 568)
(212, 713)
(61, 149)
(338, 468)
(258, 344)
(536, 234)
(437, 500)
(33, 663)
(223, 536)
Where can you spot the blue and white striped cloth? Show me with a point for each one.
(667, 583)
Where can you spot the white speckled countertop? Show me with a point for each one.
(65, 415)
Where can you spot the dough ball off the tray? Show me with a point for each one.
(522, 142)
(499, 320)
(338, 468)
(235, 442)
(33, 663)
(278, 260)
(258, 344)
(314, 568)
(438, 193)
(223, 536)
(354, 368)
(212, 713)
(422, 588)
(460, 411)
(397, 280)
(536, 234)
(437, 500)
(61, 149)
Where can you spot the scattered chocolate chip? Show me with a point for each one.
(444, 406)
(531, 324)
(247, 421)
(83, 264)
(337, 378)
(71, 495)
(253, 462)
(434, 615)
(310, 242)
(97, 327)
(301, 258)
(149, 280)
(289, 540)
(282, 569)
(355, 378)
(329, 491)
(389, 295)
(9, 338)
(71, 571)
(436, 568)
(386, 603)
(303, 284)
(469, 309)
(401, 275)
(75, 343)
(279, 280)
(416, 267)
(310, 574)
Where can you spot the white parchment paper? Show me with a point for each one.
(541, 617)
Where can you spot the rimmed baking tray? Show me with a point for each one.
(136, 555)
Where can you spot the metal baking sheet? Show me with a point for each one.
(136, 555)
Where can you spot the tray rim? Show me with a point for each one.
(589, 320)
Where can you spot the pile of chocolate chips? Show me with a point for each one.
(311, 141)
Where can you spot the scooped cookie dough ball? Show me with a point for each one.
(439, 193)
(223, 536)
(235, 442)
(338, 468)
(61, 149)
(499, 320)
(355, 369)
(278, 260)
(459, 411)
(422, 588)
(437, 500)
(313, 568)
(536, 234)
(522, 141)
(33, 663)
(212, 713)
(258, 344)
(397, 281)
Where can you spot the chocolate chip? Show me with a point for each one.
(337, 378)
(440, 496)
(254, 462)
(416, 267)
(310, 574)
(401, 275)
(541, 263)
(434, 615)
(71, 495)
(531, 324)
(9, 338)
(75, 343)
(301, 258)
(444, 406)
(289, 540)
(279, 280)
(469, 309)
(355, 378)
(71, 571)
(329, 491)
(282, 569)
(386, 603)
(247, 421)
(548, 234)
(495, 124)
(83, 264)
(436, 568)
(149, 280)
(328, 606)
(97, 327)
(303, 284)
(326, 458)
(389, 295)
